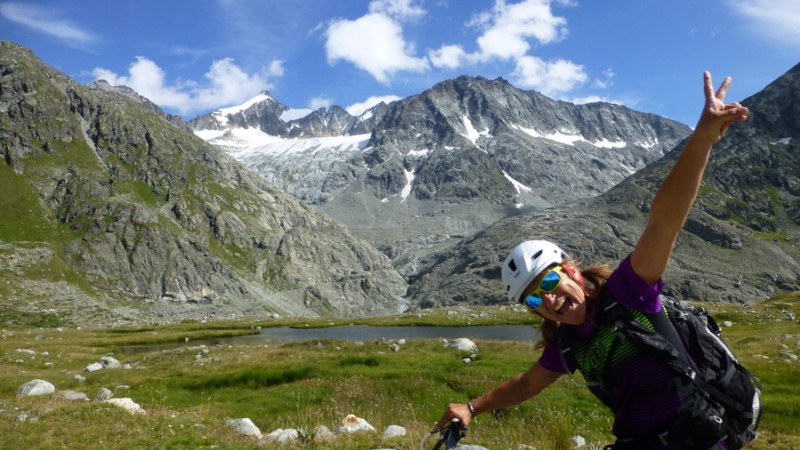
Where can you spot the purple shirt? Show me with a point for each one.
(645, 388)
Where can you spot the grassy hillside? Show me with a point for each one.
(188, 391)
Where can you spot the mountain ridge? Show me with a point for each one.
(133, 214)
(451, 160)
(120, 214)
(741, 242)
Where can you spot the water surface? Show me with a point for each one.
(363, 333)
(369, 333)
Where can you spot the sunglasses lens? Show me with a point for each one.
(533, 301)
(550, 281)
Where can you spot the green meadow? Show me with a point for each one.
(188, 390)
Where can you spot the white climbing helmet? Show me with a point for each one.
(525, 262)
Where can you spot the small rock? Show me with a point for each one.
(464, 345)
(94, 367)
(110, 363)
(353, 424)
(244, 426)
(323, 434)
(127, 404)
(104, 394)
(72, 396)
(727, 324)
(284, 436)
(578, 442)
(394, 431)
(36, 387)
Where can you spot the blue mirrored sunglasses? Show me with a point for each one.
(549, 283)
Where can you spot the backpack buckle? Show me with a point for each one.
(691, 374)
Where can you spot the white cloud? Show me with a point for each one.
(548, 77)
(374, 43)
(356, 109)
(275, 68)
(225, 84)
(397, 9)
(508, 28)
(447, 56)
(778, 20)
(46, 21)
(607, 81)
(595, 99)
(507, 32)
(319, 102)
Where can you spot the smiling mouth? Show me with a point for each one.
(563, 306)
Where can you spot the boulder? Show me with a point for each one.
(354, 424)
(463, 344)
(127, 404)
(104, 394)
(284, 436)
(110, 363)
(244, 426)
(36, 387)
(393, 431)
(72, 396)
(323, 434)
(94, 367)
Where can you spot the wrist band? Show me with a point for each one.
(471, 409)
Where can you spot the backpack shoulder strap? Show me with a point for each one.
(662, 341)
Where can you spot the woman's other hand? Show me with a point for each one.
(717, 115)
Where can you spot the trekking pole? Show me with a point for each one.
(448, 436)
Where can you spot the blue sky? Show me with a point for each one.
(192, 57)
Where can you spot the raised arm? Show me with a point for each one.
(678, 191)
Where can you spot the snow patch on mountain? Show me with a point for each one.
(517, 185)
(222, 114)
(570, 139)
(472, 133)
(244, 143)
(409, 184)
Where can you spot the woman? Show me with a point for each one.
(541, 276)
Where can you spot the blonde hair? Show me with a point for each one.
(595, 278)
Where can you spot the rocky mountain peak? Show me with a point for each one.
(452, 159)
(741, 242)
(127, 215)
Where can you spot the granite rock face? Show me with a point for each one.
(112, 194)
(741, 242)
(418, 174)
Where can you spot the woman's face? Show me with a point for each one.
(565, 304)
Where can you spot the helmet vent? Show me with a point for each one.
(536, 255)
(512, 265)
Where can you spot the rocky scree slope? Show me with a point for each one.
(108, 208)
(740, 244)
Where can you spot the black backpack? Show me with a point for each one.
(725, 400)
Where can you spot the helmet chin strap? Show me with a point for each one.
(578, 277)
